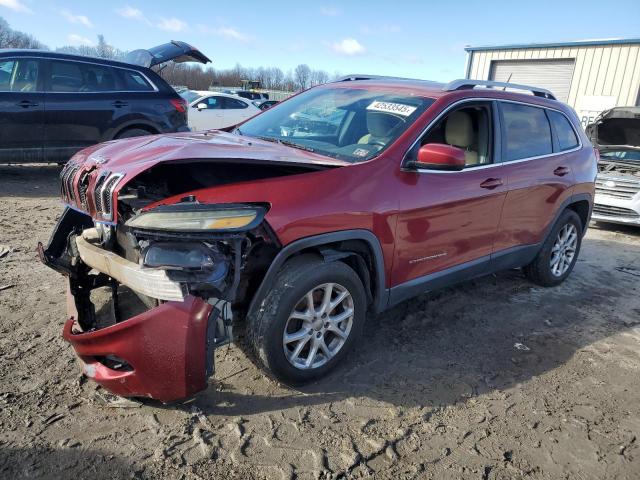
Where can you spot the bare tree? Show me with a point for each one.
(302, 76)
(10, 38)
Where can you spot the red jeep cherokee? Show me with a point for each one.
(347, 198)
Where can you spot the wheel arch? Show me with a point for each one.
(360, 249)
(141, 124)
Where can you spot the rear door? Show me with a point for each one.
(84, 100)
(21, 110)
(236, 111)
(537, 170)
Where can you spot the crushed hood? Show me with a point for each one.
(617, 128)
(134, 155)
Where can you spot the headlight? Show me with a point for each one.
(199, 218)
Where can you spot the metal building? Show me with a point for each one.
(591, 76)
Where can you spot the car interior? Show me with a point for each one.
(467, 128)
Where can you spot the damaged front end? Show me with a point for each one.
(151, 296)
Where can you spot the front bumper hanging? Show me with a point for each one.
(163, 351)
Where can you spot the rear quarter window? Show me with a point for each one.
(567, 138)
(135, 82)
(526, 130)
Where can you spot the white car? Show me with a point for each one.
(616, 134)
(214, 110)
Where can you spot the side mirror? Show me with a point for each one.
(201, 106)
(439, 156)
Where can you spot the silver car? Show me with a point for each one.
(616, 134)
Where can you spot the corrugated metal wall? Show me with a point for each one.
(604, 76)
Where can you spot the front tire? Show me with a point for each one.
(559, 252)
(309, 320)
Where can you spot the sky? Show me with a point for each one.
(418, 39)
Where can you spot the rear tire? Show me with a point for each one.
(297, 318)
(132, 132)
(559, 252)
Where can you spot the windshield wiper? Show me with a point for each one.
(286, 143)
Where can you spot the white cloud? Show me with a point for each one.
(172, 24)
(15, 5)
(228, 33)
(77, 40)
(329, 11)
(348, 46)
(79, 19)
(131, 13)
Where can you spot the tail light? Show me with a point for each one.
(597, 152)
(179, 104)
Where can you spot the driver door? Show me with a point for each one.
(208, 113)
(448, 219)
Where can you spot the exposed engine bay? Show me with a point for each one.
(188, 268)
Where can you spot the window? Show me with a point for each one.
(526, 130)
(82, 77)
(339, 121)
(19, 75)
(233, 104)
(135, 82)
(212, 103)
(467, 128)
(566, 135)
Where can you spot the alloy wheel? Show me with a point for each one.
(318, 326)
(564, 250)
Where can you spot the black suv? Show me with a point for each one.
(54, 104)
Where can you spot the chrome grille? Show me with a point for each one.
(97, 200)
(103, 194)
(618, 187)
(611, 211)
(83, 186)
(66, 181)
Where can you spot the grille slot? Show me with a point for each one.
(97, 200)
(83, 186)
(103, 194)
(66, 182)
(624, 187)
(611, 211)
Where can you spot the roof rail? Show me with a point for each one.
(354, 77)
(470, 84)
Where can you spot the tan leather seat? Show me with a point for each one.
(458, 132)
(380, 126)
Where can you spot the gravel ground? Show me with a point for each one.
(493, 379)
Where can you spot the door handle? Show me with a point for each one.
(27, 104)
(491, 183)
(120, 104)
(561, 171)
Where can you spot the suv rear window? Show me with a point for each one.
(566, 135)
(135, 82)
(527, 132)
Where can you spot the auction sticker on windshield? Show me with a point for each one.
(391, 107)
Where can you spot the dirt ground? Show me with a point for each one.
(493, 379)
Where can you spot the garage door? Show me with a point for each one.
(554, 75)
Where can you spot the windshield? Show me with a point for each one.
(620, 156)
(343, 123)
(190, 95)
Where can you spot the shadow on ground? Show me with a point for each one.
(30, 180)
(68, 464)
(445, 347)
